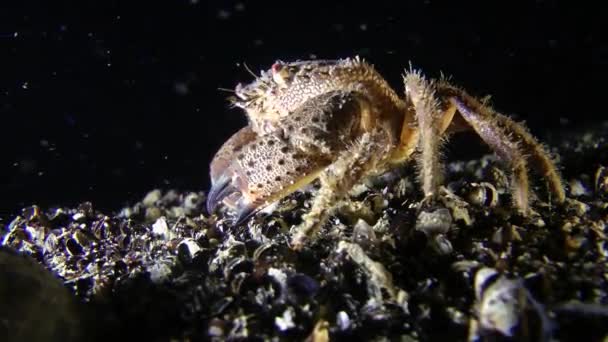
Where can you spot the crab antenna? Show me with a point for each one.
(249, 70)
(226, 90)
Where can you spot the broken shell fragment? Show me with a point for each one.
(505, 307)
(601, 181)
(434, 222)
(500, 302)
(482, 194)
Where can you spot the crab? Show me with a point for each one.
(340, 122)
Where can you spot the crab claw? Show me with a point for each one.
(221, 182)
(232, 198)
(252, 171)
(243, 209)
(257, 174)
(225, 192)
(219, 190)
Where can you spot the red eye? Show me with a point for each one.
(276, 67)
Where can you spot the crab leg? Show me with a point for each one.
(353, 164)
(432, 120)
(511, 141)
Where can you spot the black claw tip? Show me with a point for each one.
(219, 190)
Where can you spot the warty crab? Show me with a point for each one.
(339, 121)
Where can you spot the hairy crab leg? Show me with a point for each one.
(511, 141)
(353, 164)
(432, 121)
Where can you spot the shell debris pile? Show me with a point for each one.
(164, 269)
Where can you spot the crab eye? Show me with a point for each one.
(277, 67)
